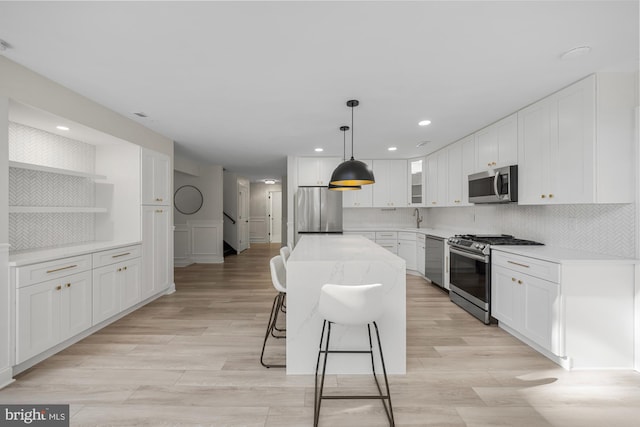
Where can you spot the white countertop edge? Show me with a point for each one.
(21, 258)
(563, 255)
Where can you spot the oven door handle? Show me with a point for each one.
(484, 259)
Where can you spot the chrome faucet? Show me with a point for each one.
(416, 213)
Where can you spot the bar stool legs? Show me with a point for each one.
(318, 394)
(271, 326)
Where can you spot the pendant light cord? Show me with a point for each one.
(352, 132)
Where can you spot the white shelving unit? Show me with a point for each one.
(55, 209)
(40, 168)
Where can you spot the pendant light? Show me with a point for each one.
(334, 187)
(352, 172)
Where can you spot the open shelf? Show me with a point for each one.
(55, 209)
(59, 171)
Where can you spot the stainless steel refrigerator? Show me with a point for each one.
(318, 210)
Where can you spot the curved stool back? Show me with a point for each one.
(278, 273)
(351, 305)
(284, 253)
(279, 280)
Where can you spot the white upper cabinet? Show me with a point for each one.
(436, 191)
(359, 198)
(576, 146)
(416, 169)
(390, 188)
(497, 144)
(156, 178)
(316, 171)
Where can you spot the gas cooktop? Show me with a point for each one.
(496, 239)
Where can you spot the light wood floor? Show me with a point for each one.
(191, 358)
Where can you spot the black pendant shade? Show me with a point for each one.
(335, 187)
(352, 172)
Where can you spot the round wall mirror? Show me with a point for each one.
(187, 199)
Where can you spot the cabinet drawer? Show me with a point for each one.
(420, 237)
(390, 245)
(371, 235)
(36, 273)
(405, 235)
(534, 267)
(116, 255)
(386, 235)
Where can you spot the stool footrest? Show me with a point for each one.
(346, 351)
(334, 397)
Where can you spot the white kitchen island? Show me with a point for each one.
(343, 260)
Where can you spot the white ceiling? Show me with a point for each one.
(244, 84)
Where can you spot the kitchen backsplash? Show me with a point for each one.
(606, 229)
(353, 218)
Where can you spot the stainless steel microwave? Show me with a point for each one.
(499, 185)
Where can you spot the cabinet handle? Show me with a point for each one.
(433, 203)
(120, 269)
(489, 164)
(159, 211)
(117, 256)
(519, 282)
(124, 268)
(58, 287)
(493, 163)
(158, 199)
(68, 285)
(513, 279)
(543, 196)
(550, 196)
(63, 268)
(516, 263)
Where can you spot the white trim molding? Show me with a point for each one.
(198, 242)
(7, 325)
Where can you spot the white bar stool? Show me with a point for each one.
(284, 253)
(351, 305)
(279, 280)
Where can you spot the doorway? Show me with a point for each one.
(243, 217)
(274, 204)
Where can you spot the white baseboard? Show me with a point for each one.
(171, 289)
(182, 262)
(6, 377)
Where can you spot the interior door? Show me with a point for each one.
(243, 217)
(275, 216)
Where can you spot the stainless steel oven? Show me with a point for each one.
(470, 270)
(470, 281)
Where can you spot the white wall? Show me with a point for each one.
(199, 237)
(27, 87)
(259, 210)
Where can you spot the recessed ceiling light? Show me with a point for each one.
(62, 127)
(269, 181)
(140, 114)
(575, 52)
(4, 45)
(392, 148)
(319, 149)
(422, 144)
(424, 122)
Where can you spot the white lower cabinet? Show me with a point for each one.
(156, 229)
(420, 253)
(116, 287)
(577, 311)
(407, 249)
(50, 312)
(528, 305)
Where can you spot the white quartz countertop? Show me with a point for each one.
(340, 247)
(562, 255)
(19, 258)
(426, 231)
